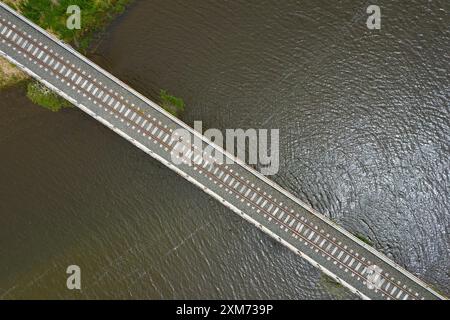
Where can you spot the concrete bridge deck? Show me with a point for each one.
(274, 210)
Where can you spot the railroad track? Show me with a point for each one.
(274, 210)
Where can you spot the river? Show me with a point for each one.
(364, 119)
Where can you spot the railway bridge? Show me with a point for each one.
(274, 210)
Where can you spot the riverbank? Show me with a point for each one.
(52, 16)
(9, 74)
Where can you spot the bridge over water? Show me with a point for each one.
(359, 267)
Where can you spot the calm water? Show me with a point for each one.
(365, 128)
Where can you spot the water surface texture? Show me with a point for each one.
(364, 121)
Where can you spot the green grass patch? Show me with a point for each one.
(326, 279)
(364, 239)
(171, 103)
(52, 16)
(44, 97)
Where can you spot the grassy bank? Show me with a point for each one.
(51, 15)
(332, 286)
